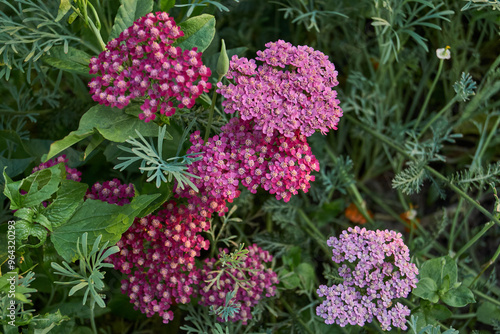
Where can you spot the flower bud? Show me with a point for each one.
(222, 62)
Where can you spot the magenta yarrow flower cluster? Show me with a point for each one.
(143, 62)
(158, 254)
(71, 173)
(241, 154)
(258, 282)
(113, 192)
(292, 90)
(380, 272)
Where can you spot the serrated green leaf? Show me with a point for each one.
(459, 297)
(26, 229)
(75, 61)
(96, 218)
(427, 289)
(45, 323)
(112, 123)
(129, 11)
(69, 197)
(198, 32)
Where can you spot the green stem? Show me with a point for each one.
(478, 235)
(352, 189)
(428, 97)
(97, 34)
(315, 233)
(438, 115)
(490, 262)
(210, 115)
(454, 224)
(486, 297)
(464, 316)
(92, 320)
(292, 312)
(431, 170)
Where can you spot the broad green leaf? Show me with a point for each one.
(74, 60)
(426, 289)
(112, 123)
(39, 186)
(435, 312)
(165, 191)
(198, 32)
(487, 312)
(96, 218)
(306, 273)
(166, 5)
(289, 279)
(26, 229)
(96, 140)
(69, 197)
(64, 7)
(14, 166)
(459, 297)
(292, 257)
(439, 268)
(45, 323)
(129, 11)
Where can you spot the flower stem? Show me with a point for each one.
(488, 264)
(315, 233)
(292, 312)
(92, 320)
(210, 115)
(437, 116)
(428, 97)
(486, 297)
(431, 170)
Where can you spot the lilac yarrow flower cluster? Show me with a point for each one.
(258, 282)
(71, 173)
(380, 272)
(158, 255)
(241, 154)
(292, 90)
(143, 62)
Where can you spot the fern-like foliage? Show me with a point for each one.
(284, 214)
(338, 177)
(152, 161)
(278, 245)
(478, 177)
(192, 4)
(229, 309)
(27, 34)
(410, 180)
(429, 329)
(465, 87)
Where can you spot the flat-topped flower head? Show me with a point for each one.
(291, 90)
(157, 253)
(142, 62)
(376, 269)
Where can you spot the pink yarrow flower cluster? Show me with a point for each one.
(258, 282)
(113, 192)
(379, 271)
(292, 90)
(158, 254)
(143, 62)
(71, 173)
(242, 155)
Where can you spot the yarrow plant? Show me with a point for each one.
(158, 254)
(112, 192)
(143, 62)
(292, 90)
(241, 154)
(379, 272)
(250, 279)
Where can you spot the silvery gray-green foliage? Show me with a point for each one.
(29, 34)
(396, 20)
(482, 4)
(312, 13)
(229, 309)
(465, 87)
(203, 3)
(90, 276)
(478, 177)
(152, 161)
